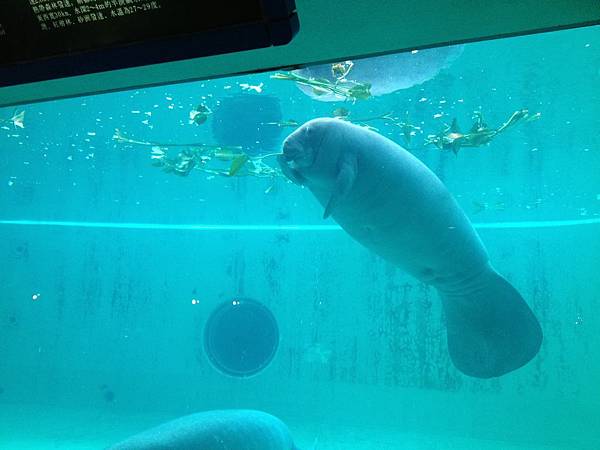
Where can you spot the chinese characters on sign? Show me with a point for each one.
(2, 30)
(57, 14)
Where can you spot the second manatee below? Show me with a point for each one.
(229, 429)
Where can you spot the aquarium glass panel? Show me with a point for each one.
(394, 252)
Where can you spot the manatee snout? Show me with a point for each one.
(295, 154)
(294, 158)
(301, 147)
(291, 150)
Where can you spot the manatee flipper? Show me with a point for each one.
(292, 174)
(491, 330)
(347, 170)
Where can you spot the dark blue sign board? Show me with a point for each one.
(48, 39)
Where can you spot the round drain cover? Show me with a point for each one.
(241, 337)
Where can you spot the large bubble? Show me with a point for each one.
(387, 73)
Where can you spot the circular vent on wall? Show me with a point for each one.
(241, 337)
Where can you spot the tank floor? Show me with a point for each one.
(30, 427)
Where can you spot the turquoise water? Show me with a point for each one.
(111, 267)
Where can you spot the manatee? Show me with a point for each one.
(387, 73)
(215, 430)
(390, 202)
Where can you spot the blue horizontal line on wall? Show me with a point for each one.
(259, 227)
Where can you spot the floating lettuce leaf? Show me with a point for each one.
(237, 164)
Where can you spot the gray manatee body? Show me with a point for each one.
(390, 202)
(215, 430)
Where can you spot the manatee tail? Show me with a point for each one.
(491, 330)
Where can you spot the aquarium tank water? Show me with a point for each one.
(157, 259)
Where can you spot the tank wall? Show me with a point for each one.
(360, 341)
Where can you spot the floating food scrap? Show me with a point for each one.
(341, 87)
(17, 120)
(360, 91)
(237, 164)
(341, 113)
(283, 124)
(199, 115)
(256, 88)
(451, 138)
(408, 129)
(212, 159)
(341, 70)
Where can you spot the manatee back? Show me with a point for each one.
(215, 430)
